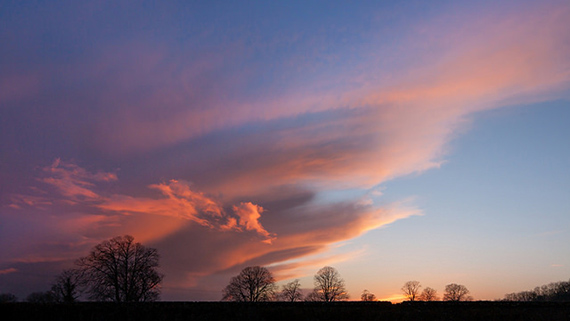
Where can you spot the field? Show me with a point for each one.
(95, 311)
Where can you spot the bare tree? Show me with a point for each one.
(121, 270)
(66, 286)
(428, 294)
(456, 292)
(367, 296)
(329, 285)
(313, 296)
(252, 284)
(411, 290)
(291, 292)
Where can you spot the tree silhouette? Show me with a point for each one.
(41, 297)
(556, 291)
(252, 284)
(456, 292)
(8, 298)
(313, 296)
(411, 290)
(329, 286)
(66, 286)
(291, 292)
(121, 270)
(367, 296)
(428, 294)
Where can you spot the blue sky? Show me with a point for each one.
(494, 215)
(392, 140)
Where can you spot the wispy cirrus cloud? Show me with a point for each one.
(480, 66)
(330, 133)
(73, 181)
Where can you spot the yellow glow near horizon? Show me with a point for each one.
(394, 298)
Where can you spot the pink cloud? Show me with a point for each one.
(477, 68)
(17, 201)
(8, 271)
(76, 186)
(390, 127)
(73, 181)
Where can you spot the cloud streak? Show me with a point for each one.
(73, 181)
(8, 271)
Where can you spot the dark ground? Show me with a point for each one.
(275, 311)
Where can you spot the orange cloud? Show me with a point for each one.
(305, 241)
(76, 186)
(184, 203)
(249, 215)
(89, 216)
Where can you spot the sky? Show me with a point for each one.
(392, 140)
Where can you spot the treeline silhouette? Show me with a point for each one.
(552, 292)
(257, 284)
(124, 271)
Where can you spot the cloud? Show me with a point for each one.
(300, 268)
(182, 202)
(179, 201)
(226, 237)
(477, 67)
(308, 235)
(8, 271)
(249, 214)
(17, 201)
(76, 186)
(358, 130)
(73, 181)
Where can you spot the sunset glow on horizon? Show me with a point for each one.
(395, 141)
